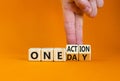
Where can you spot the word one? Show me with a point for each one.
(70, 53)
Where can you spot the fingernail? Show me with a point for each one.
(88, 9)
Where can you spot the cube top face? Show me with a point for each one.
(84, 49)
(72, 49)
(59, 50)
(34, 49)
(59, 54)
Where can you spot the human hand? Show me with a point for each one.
(73, 11)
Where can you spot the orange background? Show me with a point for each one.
(39, 23)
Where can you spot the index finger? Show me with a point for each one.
(69, 22)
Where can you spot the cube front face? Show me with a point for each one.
(84, 57)
(59, 54)
(34, 54)
(72, 57)
(47, 54)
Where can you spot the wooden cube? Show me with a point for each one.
(47, 54)
(84, 52)
(59, 54)
(34, 54)
(72, 52)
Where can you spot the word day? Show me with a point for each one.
(70, 53)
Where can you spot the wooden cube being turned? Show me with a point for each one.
(59, 54)
(85, 52)
(47, 54)
(34, 54)
(72, 53)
